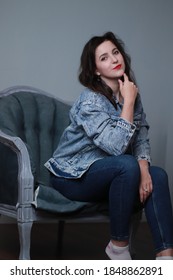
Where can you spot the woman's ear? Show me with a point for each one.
(97, 73)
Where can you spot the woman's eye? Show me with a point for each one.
(103, 58)
(116, 52)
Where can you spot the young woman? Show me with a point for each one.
(105, 153)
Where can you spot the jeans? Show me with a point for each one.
(116, 179)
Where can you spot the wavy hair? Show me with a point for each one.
(87, 75)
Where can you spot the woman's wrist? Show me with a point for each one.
(143, 164)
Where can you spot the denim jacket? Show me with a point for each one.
(96, 131)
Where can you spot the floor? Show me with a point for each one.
(81, 241)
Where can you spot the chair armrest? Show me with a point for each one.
(25, 179)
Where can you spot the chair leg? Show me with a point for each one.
(61, 225)
(25, 240)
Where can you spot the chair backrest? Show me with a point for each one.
(38, 119)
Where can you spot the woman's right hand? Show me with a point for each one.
(128, 90)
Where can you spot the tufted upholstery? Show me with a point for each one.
(39, 121)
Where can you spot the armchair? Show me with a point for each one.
(31, 123)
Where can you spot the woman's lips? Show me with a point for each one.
(117, 67)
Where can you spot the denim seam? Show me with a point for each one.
(164, 246)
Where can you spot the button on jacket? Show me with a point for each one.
(96, 130)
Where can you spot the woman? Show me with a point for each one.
(105, 154)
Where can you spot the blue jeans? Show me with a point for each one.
(116, 179)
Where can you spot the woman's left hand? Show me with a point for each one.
(146, 186)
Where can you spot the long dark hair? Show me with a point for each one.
(87, 75)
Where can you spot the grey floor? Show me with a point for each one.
(81, 241)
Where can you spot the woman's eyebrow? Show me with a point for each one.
(103, 54)
(115, 49)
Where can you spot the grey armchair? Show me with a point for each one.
(31, 123)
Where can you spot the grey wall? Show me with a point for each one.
(41, 43)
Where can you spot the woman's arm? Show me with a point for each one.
(128, 91)
(146, 186)
(109, 132)
(112, 133)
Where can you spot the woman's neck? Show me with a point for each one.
(114, 85)
(115, 88)
(116, 92)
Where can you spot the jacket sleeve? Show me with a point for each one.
(140, 144)
(108, 132)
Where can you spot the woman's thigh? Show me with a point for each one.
(95, 184)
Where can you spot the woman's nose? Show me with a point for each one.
(114, 59)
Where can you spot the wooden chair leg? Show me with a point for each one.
(25, 240)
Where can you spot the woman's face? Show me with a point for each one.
(109, 62)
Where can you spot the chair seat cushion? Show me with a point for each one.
(49, 199)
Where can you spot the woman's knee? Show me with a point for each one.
(159, 175)
(130, 163)
(122, 165)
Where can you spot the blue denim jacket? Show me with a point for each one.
(96, 130)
